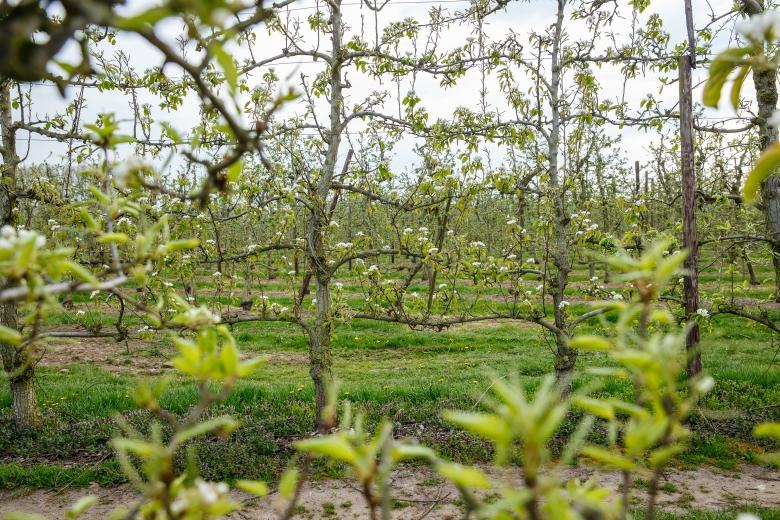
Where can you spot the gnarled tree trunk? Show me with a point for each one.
(765, 82)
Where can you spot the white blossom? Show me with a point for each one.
(704, 313)
(130, 168)
(761, 27)
(774, 119)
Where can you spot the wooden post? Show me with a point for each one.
(636, 174)
(691, 279)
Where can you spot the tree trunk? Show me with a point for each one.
(690, 241)
(18, 363)
(765, 82)
(749, 267)
(565, 356)
(320, 357)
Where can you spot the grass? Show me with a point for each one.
(387, 371)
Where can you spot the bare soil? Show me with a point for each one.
(419, 494)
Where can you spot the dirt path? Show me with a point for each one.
(419, 493)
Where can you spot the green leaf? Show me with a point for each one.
(467, 477)
(487, 426)
(254, 487)
(334, 446)
(663, 455)
(228, 65)
(765, 166)
(234, 171)
(590, 343)
(182, 245)
(607, 457)
(146, 18)
(80, 272)
(113, 238)
(412, 451)
(247, 367)
(224, 423)
(767, 430)
(736, 87)
(10, 336)
(287, 483)
(136, 447)
(595, 407)
(81, 505)
(229, 358)
(23, 516)
(171, 132)
(720, 69)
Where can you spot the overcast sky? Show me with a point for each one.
(520, 17)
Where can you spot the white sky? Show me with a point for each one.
(520, 17)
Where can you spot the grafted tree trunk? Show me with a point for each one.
(18, 363)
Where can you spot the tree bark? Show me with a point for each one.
(320, 357)
(690, 242)
(749, 267)
(765, 82)
(18, 363)
(565, 356)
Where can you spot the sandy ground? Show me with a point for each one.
(421, 494)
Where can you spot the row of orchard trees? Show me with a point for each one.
(301, 182)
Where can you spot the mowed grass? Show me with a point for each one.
(386, 371)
